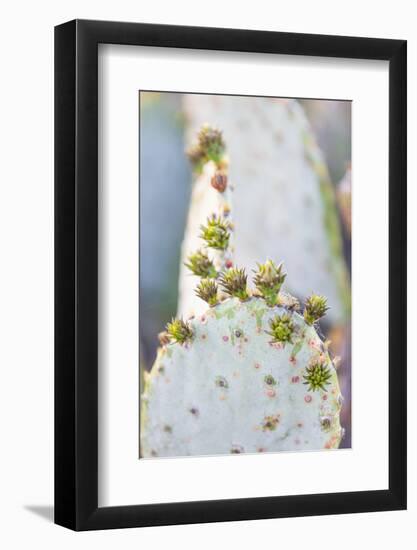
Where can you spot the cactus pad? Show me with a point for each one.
(233, 388)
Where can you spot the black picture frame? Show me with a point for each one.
(76, 273)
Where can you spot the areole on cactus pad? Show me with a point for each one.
(251, 373)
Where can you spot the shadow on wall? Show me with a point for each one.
(45, 512)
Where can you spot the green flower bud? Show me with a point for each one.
(268, 280)
(179, 331)
(234, 283)
(201, 265)
(207, 291)
(216, 233)
(315, 308)
(317, 376)
(282, 328)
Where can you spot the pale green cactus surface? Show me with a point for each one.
(230, 388)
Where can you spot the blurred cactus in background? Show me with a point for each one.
(344, 200)
(331, 124)
(283, 203)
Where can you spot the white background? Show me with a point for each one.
(26, 299)
(123, 479)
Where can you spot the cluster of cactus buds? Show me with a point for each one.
(315, 308)
(179, 331)
(317, 377)
(200, 264)
(268, 280)
(207, 290)
(234, 283)
(212, 197)
(216, 233)
(281, 328)
(209, 147)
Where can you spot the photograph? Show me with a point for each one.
(244, 274)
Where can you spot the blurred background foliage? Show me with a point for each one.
(165, 183)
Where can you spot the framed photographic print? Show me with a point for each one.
(230, 247)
